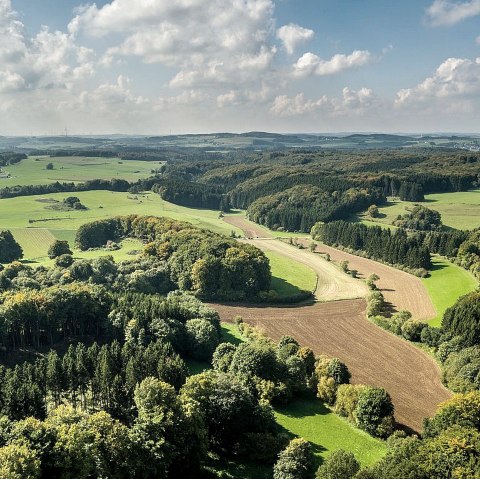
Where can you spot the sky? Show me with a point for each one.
(199, 66)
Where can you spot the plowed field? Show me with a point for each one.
(373, 356)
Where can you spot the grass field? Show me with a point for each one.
(290, 277)
(26, 215)
(447, 282)
(459, 210)
(75, 169)
(327, 432)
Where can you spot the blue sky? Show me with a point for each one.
(137, 66)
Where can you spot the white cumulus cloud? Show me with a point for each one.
(456, 80)
(311, 64)
(292, 36)
(206, 42)
(444, 12)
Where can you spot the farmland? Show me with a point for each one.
(373, 356)
(76, 169)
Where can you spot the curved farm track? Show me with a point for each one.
(339, 328)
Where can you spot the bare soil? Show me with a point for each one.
(251, 229)
(373, 356)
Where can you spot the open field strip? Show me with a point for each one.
(289, 277)
(446, 283)
(77, 169)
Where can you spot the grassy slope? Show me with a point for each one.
(327, 432)
(289, 277)
(76, 169)
(459, 210)
(447, 282)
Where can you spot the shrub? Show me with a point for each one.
(339, 465)
(412, 329)
(64, 261)
(374, 412)
(295, 461)
(203, 338)
(58, 248)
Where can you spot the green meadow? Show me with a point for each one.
(327, 432)
(446, 283)
(290, 277)
(459, 210)
(36, 226)
(77, 169)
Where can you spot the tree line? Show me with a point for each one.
(381, 244)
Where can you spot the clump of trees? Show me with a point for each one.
(10, 250)
(210, 265)
(420, 218)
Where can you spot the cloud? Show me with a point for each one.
(351, 103)
(45, 61)
(207, 43)
(292, 36)
(455, 84)
(444, 12)
(310, 64)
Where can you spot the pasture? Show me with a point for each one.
(327, 432)
(446, 283)
(76, 169)
(459, 210)
(26, 214)
(290, 277)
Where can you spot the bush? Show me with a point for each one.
(203, 339)
(412, 329)
(339, 465)
(64, 261)
(431, 336)
(295, 461)
(59, 248)
(374, 412)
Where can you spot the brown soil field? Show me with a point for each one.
(373, 356)
(251, 229)
(332, 285)
(402, 290)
